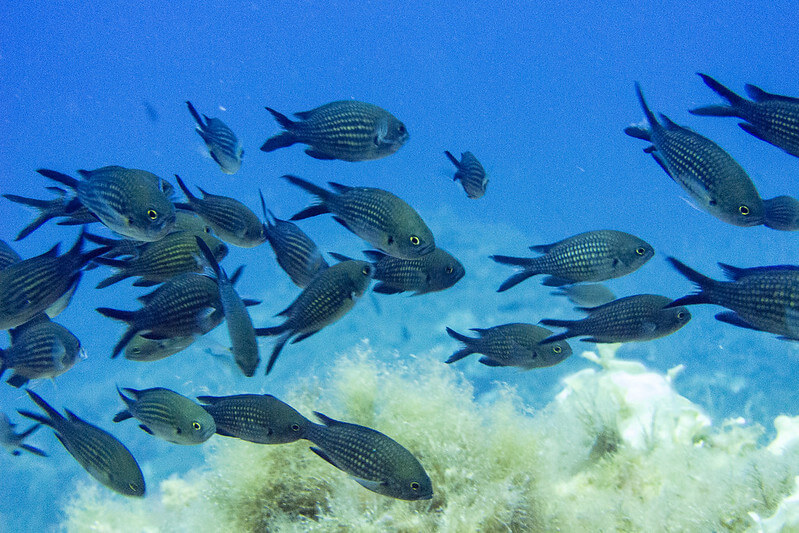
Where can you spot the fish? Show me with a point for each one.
(590, 256)
(223, 145)
(716, 183)
(128, 201)
(181, 307)
(638, 318)
(328, 297)
(759, 298)
(782, 213)
(347, 130)
(374, 460)
(244, 344)
(40, 348)
(61, 206)
(167, 415)
(296, 253)
(586, 294)
(105, 458)
(142, 349)
(231, 220)
(470, 173)
(259, 418)
(7, 255)
(162, 260)
(769, 117)
(433, 272)
(511, 345)
(31, 286)
(13, 441)
(380, 218)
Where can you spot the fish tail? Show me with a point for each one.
(45, 206)
(33, 226)
(97, 239)
(310, 211)
(650, 117)
(69, 181)
(185, 189)
(306, 185)
(515, 280)
(736, 101)
(281, 140)
(270, 332)
(276, 352)
(209, 257)
(459, 336)
(284, 121)
(460, 354)
(110, 280)
(28, 432)
(31, 202)
(196, 115)
(515, 261)
(700, 280)
(52, 417)
(116, 314)
(452, 158)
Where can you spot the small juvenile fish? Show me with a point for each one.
(642, 317)
(259, 418)
(31, 286)
(782, 213)
(96, 450)
(179, 308)
(296, 253)
(167, 415)
(40, 348)
(328, 297)
(590, 256)
(769, 117)
(713, 179)
(346, 130)
(586, 294)
(129, 201)
(432, 272)
(760, 298)
(222, 143)
(470, 173)
(162, 260)
(512, 345)
(7, 255)
(373, 459)
(13, 441)
(243, 342)
(143, 349)
(230, 219)
(61, 206)
(376, 216)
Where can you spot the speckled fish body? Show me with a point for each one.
(470, 173)
(296, 253)
(223, 145)
(146, 350)
(431, 272)
(782, 213)
(379, 217)
(590, 256)
(96, 450)
(512, 345)
(636, 318)
(586, 294)
(167, 415)
(129, 201)
(259, 418)
(714, 180)
(162, 260)
(181, 307)
(13, 441)
(31, 286)
(231, 220)
(373, 459)
(325, 300)
(769, 117)
(347, 130)
(39, 348)
(759, 298)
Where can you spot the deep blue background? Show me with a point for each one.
(539, 92)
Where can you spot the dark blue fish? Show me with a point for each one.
(470, 173)
(759, 298)
(712, 178)
(769, 117)
(13, 441)
(222, 143)
(96, 450)
(512, 345)
(61, 206)
(260, 418)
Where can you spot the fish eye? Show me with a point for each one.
(152, 213)
(640, 251)
(415, 485)
(197, 426)
(133, 486)
(449, 270)
(401, 128)
(366, 270)
(415, 240)
(136, 349)
(680, 315)
(295, 427)
(557, 349)
(744, 210)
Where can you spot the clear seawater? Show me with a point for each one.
(539, 91)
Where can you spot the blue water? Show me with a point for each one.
(539, 91)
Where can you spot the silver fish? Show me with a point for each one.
(223, 145)
(260, 418)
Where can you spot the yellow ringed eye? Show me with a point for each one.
(640, 251)
(449, 270)
(196, 425)
(557, 349)
(744, 210)
(415, 240)
(295, 427)
(152, 213)
(415, 485)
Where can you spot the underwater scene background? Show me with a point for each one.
(541, 94)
